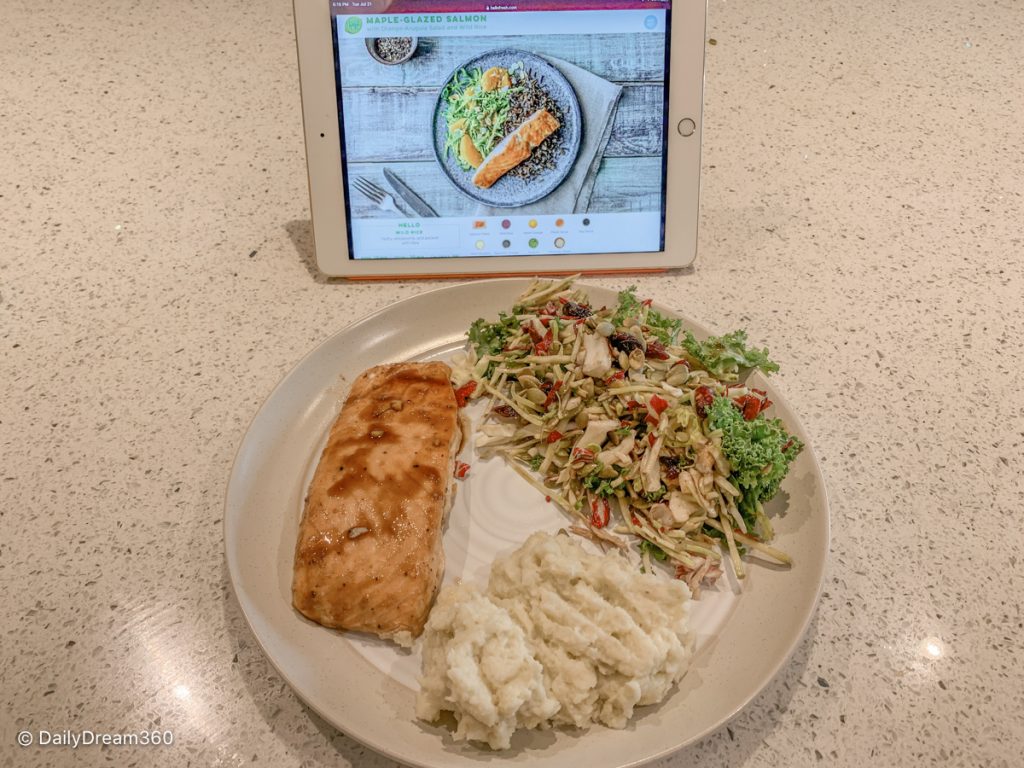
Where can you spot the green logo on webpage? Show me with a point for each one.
(353, 24)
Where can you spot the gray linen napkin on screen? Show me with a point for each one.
(598, 101)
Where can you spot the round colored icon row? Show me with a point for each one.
(533, 242)
(532, 223)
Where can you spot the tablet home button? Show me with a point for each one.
(686, 127)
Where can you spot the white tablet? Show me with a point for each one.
(465, 137)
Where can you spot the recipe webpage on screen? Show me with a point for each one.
(474, 128)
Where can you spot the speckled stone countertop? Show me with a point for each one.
(862, 210)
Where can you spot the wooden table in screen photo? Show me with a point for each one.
(389, 112)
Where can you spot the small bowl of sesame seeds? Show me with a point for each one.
(391, 50)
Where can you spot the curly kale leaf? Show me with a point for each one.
(725, 356)
(759, 451)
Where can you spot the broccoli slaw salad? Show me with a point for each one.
(637, 430)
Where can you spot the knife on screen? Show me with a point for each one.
(409, 197)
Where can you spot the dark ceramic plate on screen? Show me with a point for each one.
(510, 191)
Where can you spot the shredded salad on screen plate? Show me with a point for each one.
(631, 425)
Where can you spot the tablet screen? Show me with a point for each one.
(476, 128)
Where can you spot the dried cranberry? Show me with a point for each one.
(572, 309)
(506, 411)
(671, 465)
(656, 350)
(625, 342)
(703, 397)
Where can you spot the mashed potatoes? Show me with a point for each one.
(560, 637)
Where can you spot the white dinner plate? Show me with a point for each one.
(366, 687)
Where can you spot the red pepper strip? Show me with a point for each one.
(562, 300)
(765, 402)
(751, 409)
(552, 393)
(543, 346)
(461, 469)
(631, 404)
(647, 302)
(545, 321)
(534, 333)
(582, 454)
(635, 519)
(462, 393)
(651, 438)
(750, 405)
(600, 513)
(617, 376)
(652, 419)
(554, 437)
(788, 444)
(658, 404)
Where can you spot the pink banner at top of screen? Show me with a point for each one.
(365, 7)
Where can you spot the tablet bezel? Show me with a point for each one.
(313, 34)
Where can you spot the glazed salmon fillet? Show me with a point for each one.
(369, 555)
(516, 147)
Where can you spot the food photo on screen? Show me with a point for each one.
(475, 129)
